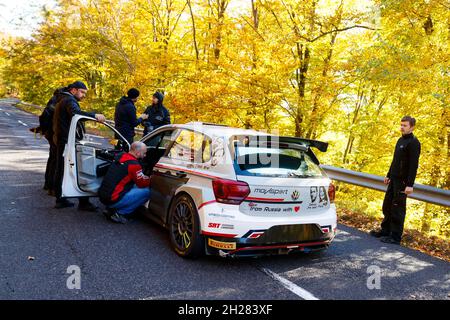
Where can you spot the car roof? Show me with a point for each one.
(212, 129)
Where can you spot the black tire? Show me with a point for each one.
(184, 228)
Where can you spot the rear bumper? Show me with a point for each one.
(280, 239)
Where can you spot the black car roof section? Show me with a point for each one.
(320, 145)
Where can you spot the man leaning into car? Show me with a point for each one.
(125, 187)
(65, 109)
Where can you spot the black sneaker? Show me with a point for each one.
(88, 206)
(378, 234)
(389, 240)
(118, 218)
(63, 203)
(108, 212)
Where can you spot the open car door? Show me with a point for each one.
(90, 150)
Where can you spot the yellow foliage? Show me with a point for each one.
(342, 71)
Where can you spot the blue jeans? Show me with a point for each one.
(132, 200)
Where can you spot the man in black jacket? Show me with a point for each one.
(157, 113)
(65, 109)
(400, 181)
(125, 115)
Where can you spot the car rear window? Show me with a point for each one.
(275, 161)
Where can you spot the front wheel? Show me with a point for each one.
(184, 228)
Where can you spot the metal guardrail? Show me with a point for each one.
(17, 101)
(136, 130)
(421, 192)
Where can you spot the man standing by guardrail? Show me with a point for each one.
(400, 181)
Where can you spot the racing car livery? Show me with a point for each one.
(217, 189)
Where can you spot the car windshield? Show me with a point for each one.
(275, 161)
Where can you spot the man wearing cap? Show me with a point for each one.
(125, 115)
(65, 109)
(158, 115)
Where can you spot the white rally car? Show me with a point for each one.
(217, 189)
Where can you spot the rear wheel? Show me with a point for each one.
(184, 228)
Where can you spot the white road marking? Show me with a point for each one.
(24, 124)
(302, 293)
(7, 113)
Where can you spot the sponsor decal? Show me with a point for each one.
(220, 215)
(218, 151)
(326, 229)
(213, 225)
(221, 245)
(323, 197)
(271, 209)
(265, 209)
(313, 191)
(198, 166)
(219, 225)
(270, 191)
(295, 195)
(319, 197)
(255, 235)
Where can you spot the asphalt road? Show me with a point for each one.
(134, 261)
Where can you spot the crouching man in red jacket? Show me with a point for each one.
(125, 187)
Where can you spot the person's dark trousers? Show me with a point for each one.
(129, 138)
(51, 164)
(59, 170)
(394, 209)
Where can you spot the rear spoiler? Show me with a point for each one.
(320, 145)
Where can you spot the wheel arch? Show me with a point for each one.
(195, 194)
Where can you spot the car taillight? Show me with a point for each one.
(230, 191)
(331, 192)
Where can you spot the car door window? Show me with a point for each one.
(95, 148)
(161, 140)
(157, 146)
(95, 134)
(191, 146)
